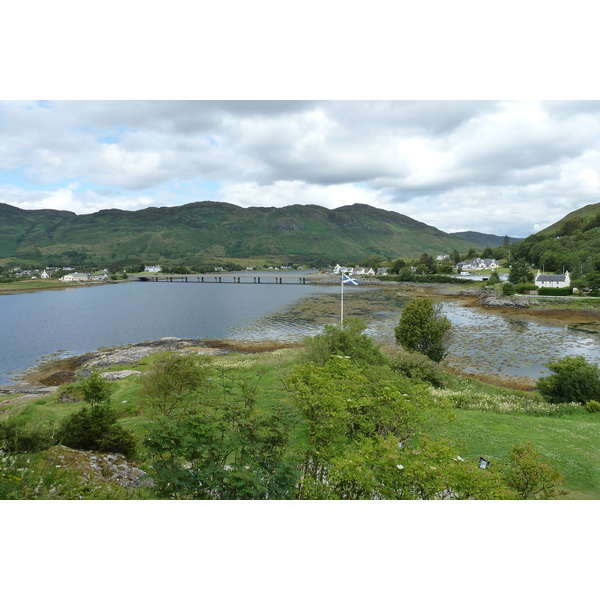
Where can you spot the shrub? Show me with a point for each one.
(555, 291)
(530, 476)
(350, 341)
(171, 377)
(493, 279)
(509, 289)
(525, 287)
(573, 380)
(593, 406)
(418, 366)
(95, 427)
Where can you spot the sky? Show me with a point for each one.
(503, 167)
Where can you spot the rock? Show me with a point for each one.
(508, 302)
(99, 466)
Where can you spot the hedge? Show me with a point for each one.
(555, 291)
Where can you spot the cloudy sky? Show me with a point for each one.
(506, 167)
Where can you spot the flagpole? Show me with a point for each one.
(342, 307)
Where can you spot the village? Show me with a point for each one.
(477, 269)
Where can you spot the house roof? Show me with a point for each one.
(551, 278)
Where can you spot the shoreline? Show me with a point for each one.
(59, 371)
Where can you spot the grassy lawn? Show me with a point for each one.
(569, 442)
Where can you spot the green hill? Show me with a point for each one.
(209, 231)
(488, 240)
(573, 243)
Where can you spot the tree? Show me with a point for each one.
(366, 438)
(171, 379)
(573, 380)
(423, 328)
(520, 272)
(494, 278)
(397, 265)
(96, 427)
(226, 448)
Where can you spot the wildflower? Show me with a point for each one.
(400, 467)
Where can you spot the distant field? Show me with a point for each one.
(35, 285)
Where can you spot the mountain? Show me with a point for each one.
(203, 232)
(487, 240)
(572, 244)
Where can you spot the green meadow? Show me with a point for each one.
(479, 420)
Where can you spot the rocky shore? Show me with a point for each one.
(45, 378)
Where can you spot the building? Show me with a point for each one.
(75, 277)
(553, 281)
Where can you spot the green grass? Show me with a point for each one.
(31, 285)
(568, 441)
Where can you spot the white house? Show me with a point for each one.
(478, 263)
(75, 277)
(553, 281)
(152, 269)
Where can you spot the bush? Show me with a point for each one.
(525, 287)
(493, 279)
(350, 341)
(96, 428)
(573, 380)
(509, 289)
(555, 291)
(530, 476)
(593, 406)
(418, 366)
(170, 379)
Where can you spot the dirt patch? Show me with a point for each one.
(57, 371)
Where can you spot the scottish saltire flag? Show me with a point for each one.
(346, 279)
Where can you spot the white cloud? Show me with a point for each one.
(500, 167)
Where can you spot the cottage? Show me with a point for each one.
(553, 281)
(477, 264)
(71, 277)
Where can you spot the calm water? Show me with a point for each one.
(78, 320)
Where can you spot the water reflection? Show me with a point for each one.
(81, 320)
(482, 341)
